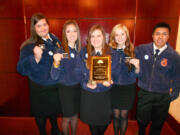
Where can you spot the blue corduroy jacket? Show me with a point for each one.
(161, 74)
(123, 76)
(65, 73)
(38, 72)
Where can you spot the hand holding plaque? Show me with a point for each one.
(100, 69)
(91, 84)
(107, 83)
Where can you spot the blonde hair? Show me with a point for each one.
(129, 47)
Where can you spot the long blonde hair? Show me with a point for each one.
(129, 47)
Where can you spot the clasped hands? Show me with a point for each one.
(93, 84)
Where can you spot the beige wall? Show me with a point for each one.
(175, 109)
(175, 105)
(178, 39)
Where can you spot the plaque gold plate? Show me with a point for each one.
(100, 69)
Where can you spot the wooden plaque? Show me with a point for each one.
(100, 69)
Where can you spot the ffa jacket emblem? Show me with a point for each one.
(72, 55)
(164, 62)
(146, 57)
(86, 55)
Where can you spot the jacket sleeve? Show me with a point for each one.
(176, 80)
(137, 54)
(27, 63)
(57, 73)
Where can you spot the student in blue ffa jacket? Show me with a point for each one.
(95, 106)
(63, 70)
(159, 80)
(36, 58)
(124, 88)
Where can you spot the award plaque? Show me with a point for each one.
(100, 69)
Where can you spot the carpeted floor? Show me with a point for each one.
(27, 126)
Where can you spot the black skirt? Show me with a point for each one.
(70, 99)
(44, 100)
(95, 108)
(122, 96)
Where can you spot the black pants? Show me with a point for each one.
(153, 107)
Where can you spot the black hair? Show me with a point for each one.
(162, 25)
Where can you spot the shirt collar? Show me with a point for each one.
(123, 47)
(75, 47)
(160, 49)
(98, 51)
(48, 38)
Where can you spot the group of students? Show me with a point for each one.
(59, 82)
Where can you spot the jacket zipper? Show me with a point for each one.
(152, 73)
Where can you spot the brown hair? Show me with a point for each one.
(34, 38)
(64, 38)
(90, 48)
(129, 47)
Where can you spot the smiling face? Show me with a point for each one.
(160, 36)
(71, 34)
(120, 37)
(97, 39)
(42, 28)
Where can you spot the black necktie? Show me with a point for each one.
(49, 41)
(98, 54)
(120, 50)
(156, 53)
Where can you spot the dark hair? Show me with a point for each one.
(64, 38)
(162, 25)
(34, 38)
